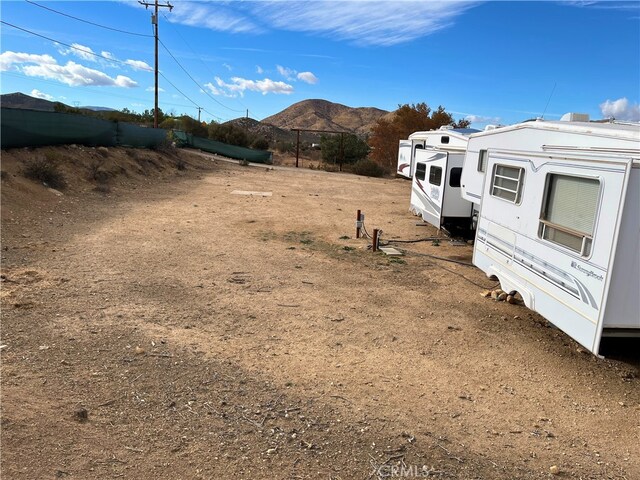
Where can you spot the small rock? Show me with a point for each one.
(495, 294)
(502, 297)
(271, 451)
(81, 415)
(140, 350)
(486, 293)
(554, 470)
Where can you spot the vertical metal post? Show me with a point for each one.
(358, 224)
(341, 150)
(375, 240)
(298, 149)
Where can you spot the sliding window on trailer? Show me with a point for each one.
(569, 211)
(507, 183)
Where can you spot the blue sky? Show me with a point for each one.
(490, 62)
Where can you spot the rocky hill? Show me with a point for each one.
(20, 100)
(324, 115)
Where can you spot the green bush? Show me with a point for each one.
(368, 168)
(260, 143)
(46, 171)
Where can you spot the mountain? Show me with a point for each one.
(98, 109)
(324, 115)
(20, 100)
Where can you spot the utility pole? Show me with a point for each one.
(154, 21)
(199, 109)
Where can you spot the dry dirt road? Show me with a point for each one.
(172, 329)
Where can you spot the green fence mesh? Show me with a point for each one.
(231, 151)
(130, 135)
(32, 128)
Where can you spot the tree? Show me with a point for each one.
(229, 134)
(351, 150)
(386, 133)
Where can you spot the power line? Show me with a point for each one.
(195, 81)
(83, 50)
(95, 54)
(87, 21)
(198, 57)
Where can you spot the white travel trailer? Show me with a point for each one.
(559, 221)
(446, 138)
(435, 190)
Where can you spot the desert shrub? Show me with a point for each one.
(285, 147)
(368, 168)
(260, 143)
(44, 170)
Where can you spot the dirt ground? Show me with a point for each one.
(158, 325)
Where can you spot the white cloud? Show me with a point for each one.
(153, 89)
(308, 77)
(360, 22)
(227, 66)
(8, 59)
(293, 75)
(38, 94)
(217, 16)
(139, 65)
(73, 74)
(108, 55)
(286, 72)
(239, 85)
(80, 51)
(621, 109)
(482, 119)
(259, 70)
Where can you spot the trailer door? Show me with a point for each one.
(433, 184)
(404, 158)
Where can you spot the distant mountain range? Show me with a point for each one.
(313, 114)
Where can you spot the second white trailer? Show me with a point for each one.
(435, 190)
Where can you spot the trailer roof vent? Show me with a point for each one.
(575, 117)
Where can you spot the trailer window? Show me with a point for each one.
(444, 139)
(454, 177)
(482, 161)
(435, 175)
(507, 183)
(421, 171)
(569, 211)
